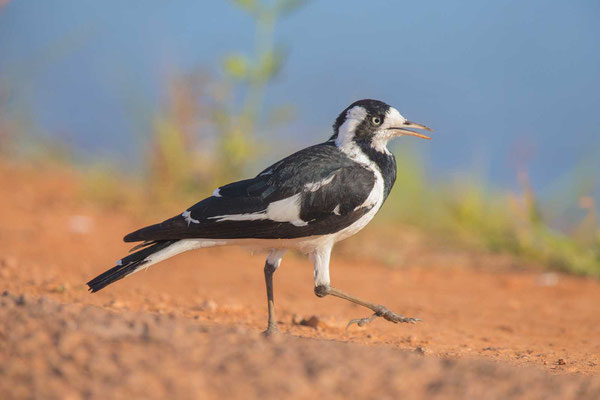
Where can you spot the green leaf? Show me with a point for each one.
(236, 66)
(286, 7)
(269, 66)
(250, 6)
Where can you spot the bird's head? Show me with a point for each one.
(373, 123)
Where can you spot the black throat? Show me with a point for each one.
(384, 161)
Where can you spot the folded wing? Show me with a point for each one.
(313, 192)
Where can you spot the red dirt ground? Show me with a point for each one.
(189, 327)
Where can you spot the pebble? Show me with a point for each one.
(312, 322)
(207, 305)
(8, 262)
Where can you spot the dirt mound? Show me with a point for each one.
(56, 351)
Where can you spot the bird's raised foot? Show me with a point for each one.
(386, 314)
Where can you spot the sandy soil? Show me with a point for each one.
(190, 326)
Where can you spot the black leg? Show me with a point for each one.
(378, 310)
(272, 324)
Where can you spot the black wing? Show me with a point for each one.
(315, 191)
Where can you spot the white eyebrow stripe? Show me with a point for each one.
(354, 117)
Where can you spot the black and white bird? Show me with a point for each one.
(307, 201)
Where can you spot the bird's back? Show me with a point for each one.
(315, 191)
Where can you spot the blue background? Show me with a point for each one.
(504, 84)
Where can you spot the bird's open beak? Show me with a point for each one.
(402, 130)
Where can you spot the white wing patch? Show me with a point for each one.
(217, 193)
(240, 217)
(375, 198)
(187, 215)
(336, 210)
(314, 186)
(285, 210)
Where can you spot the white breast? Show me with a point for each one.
(374, 200)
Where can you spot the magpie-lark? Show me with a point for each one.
(308, 201)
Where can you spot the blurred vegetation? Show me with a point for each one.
(206, 134)
(468, 210)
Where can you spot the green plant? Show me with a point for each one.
(470, 212)
(206, 134)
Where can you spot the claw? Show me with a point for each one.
(362, 321)
(386, 314)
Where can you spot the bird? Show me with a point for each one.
(308, 201)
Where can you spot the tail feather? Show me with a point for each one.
(128, 265)
(142, 245)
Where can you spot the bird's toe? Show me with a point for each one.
(396, 318)
(361, 321)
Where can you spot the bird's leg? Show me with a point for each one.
(272, 263)
(272, 324)
(378, 310)
(323, 288)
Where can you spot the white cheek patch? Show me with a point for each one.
(392, 119)
(380, 142)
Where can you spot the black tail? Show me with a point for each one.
(128, 265)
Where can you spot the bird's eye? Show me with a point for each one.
(376, 121)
